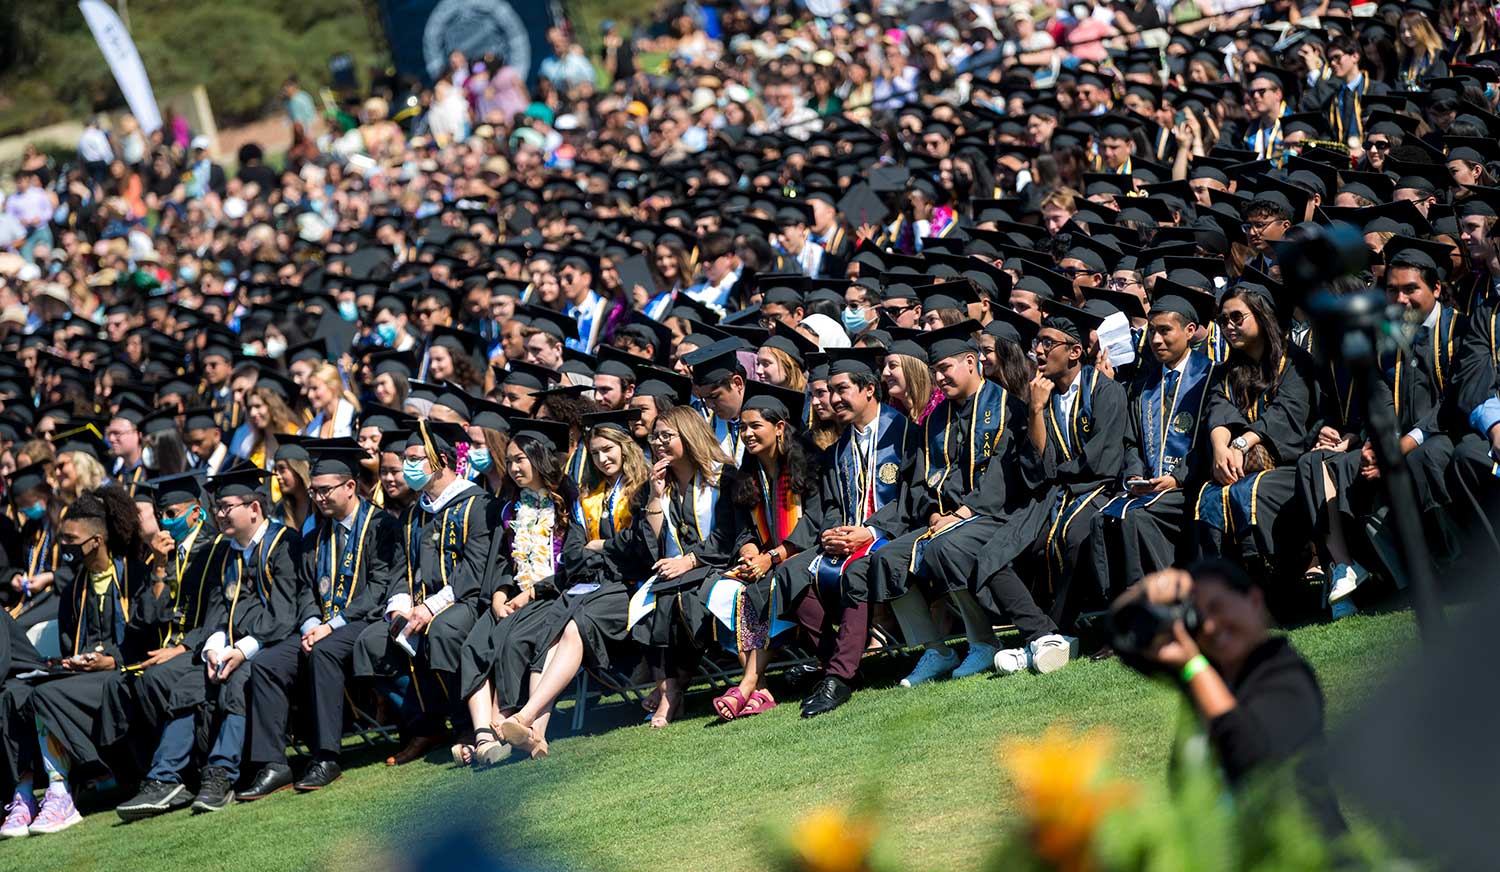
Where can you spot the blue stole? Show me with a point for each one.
(657, 307)
(702, 521)
(1169, 425)
(864, 491)
(590, 312)
(1216, 346)
(336, 583)
(985, 424)
(452, 534)
(577, 461)
(735, 447)
(1233, 508)
(1068, 442)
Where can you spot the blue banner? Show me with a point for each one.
(422, 33)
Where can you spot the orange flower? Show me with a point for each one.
(829, 840)
(1064, 794)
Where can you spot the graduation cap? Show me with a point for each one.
(853, 361)
(175, 489)
(1481, 200)
(383, 417)
(947, 295)
(1011, 326)
(1195, 307)
(1431, 178)
(715, 363)
(1045, 283)
(774, 400)
(529, 375)
(1474, 149)
(242, 482)
(1421, 253)
(946, 342)
(28, 478)
(314, 350)
(686, 307)
(451, 396)
(555, 324)
(1074, 322)
(862, 205)
(663, 384)
(440, 440)
(1128, 304)
(646, 330)
(293, 448)
(337, 457)
(792, 343)
(462, 342)
(551, 434)
(619, 419)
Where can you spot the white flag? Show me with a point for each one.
(124, 61)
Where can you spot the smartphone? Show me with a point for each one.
(1180, 117)
(398, 623)
(1137, 482)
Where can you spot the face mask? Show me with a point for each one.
(71, 555)
(348, 310)
(148, 457)
(275, 347)
(479, 459)
(187, 273)
(35, 511)
(180, 527)
(854, 320)
(386, 333)
(411, 471)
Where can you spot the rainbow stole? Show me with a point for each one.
(778, 510)
(1168, 435)
(986, 421)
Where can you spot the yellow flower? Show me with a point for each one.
(1063, 792)
(829, 840)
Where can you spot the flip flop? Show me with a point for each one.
(731, 704)
(760, 701)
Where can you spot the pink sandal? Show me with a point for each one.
(760, 701)
(731, 704)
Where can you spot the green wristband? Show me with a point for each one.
(1194, 666)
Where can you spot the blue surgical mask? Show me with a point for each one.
(386, 333)
(181, 526)
(35, 511)
(412, 472)
(479, 459)
(348, 310)
(188, 274)
(854, 320)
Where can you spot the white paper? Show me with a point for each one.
(1114, 335)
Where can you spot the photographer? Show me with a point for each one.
(1258, 700)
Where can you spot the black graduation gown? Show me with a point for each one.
(678, 611)
(449, 548)
(254, 595)
(1473, 486)
(506, 651)
(1249, 512)
(856, 493)
(30, 550)
(779, 587)
(73, 706)
(17, 728)
(1080, 463)
(1133, 536)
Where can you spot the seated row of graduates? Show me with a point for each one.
(491, 602)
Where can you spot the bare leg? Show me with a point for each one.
(755, 671)
(1337, 545)
(482, 707)
(671, 701)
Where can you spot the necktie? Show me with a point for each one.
(1172, 376)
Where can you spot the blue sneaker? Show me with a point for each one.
(981, 657)
(934, 663)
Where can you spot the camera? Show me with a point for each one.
(1136, 624)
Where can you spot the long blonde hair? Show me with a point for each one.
(282, 418)
(795, 379)
(634, 471)
(1427, 37)
(86, 469)
(328, 374)
(918, 377)
(698, 441)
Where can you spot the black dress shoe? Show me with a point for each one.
(319, 775)
(803, 672)
(271, 778)
(829, 695)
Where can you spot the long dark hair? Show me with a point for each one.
(1015, 367)
(554, 480)
(794, 463)
(110, 507)
(1250, 379)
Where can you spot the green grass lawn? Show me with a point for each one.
(695, 795)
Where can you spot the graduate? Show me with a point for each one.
(1474, 485)
(27, 587)
(489, 437)
(862, 492)
(17, 727)
(252, 606)
(776, 492)
(719, 383)
(100, 542)
(445, 539)
(1142, 529)
(685, 532)
(1261, 418)
(348, 567)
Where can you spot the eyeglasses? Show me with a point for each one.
(1373, 145)
(118, 433)
(663, 437)
(1235, 319)
(324, 491)
(223, 509)
(1256, 92)
(1075, 272)
(1121, 284)
(1257, 225)
(1045, 344)
(427, 313)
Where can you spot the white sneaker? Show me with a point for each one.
(1052, 652)
(1009, 661)
(1346, 579)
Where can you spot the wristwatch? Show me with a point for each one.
(1239, 444)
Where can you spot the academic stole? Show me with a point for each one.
(116, 595)
(599, 522)
(1235, 506)
(699, 503)
(577, 461)
(41, 554)
(336, 585)
(1266, 141)
(451, 537)
(178, 627)
(268, 541)
(1069, 443)
(1168, 435)
(779, 509)
(991, 401)
(1442, 357)
(1336, 116)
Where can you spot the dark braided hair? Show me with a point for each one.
(109, 508)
